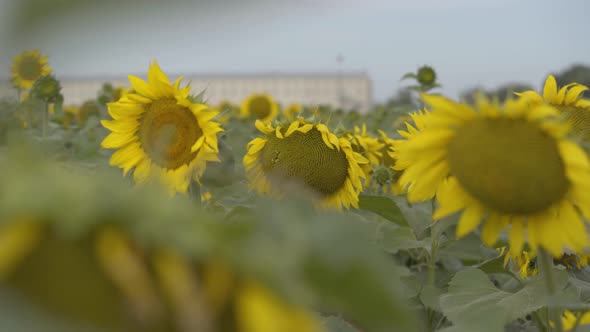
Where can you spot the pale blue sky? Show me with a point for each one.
(469, 42)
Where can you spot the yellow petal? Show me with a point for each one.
(492, 228)
(116, 140)
(550, 89)
(141, 87)
(121, 126)
(292, 128)
(469, 220)
(574, 93)
(516, 236)
(127, 157)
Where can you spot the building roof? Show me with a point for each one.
(227, 75)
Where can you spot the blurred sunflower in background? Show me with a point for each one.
(571, 320)
(293, 111)
(385, 175)
(363, 143)
(523, 263)
(161, 133)
(70, 115)
(305, 154)
(568, 100)
(370, 148)
(484, 162)
(27, 67)
(259, 106)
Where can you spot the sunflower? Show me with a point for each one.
(370, 148)
(293, 111)
(17, 240)
(27, 67)
(387, 162)
(70, 114)
(486, 164)
(570, 320)
(363, 143)
(568, 100)
(259, 310)
(573, 261)
(260, 106)
(401, 162)
(216, 298)
(524, 263)
(161, 133)
(307, 154)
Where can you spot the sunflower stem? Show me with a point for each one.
(433, 246)
(546, 267)
(44, 118)
(194, 191)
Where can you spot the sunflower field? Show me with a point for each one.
(148, 209)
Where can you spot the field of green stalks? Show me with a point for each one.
(149, 210)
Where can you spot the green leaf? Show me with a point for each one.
(393, 239)
(468, 248)
(418, 215)
(493, 265)
(384, 207)
(474, 302)
(337, 324)
(471, 302)
(430, 297)
(408, 75)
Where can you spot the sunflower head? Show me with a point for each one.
(484, 162)
(568, 100)
(47, 88)
(160, 133)
(27, 67)
(309, 155)
(259, 106)
(426, 76)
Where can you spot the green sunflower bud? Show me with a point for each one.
(426, 76)
(382, 176)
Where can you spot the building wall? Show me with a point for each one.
(347, 90)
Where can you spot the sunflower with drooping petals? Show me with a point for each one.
(486, 163)
(568, 100)
(259, 106)
(524, 263)
(306, 154)
(27, 67)
(160, 133)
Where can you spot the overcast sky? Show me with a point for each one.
(469, 42)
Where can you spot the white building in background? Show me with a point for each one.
(350, 91)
